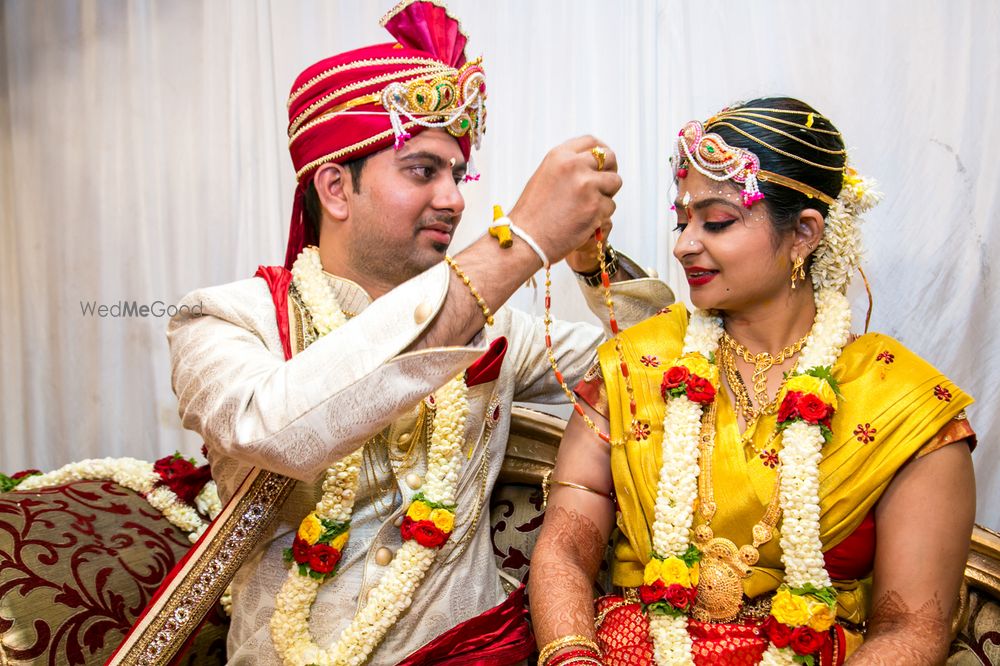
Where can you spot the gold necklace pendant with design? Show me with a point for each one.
(724, 565)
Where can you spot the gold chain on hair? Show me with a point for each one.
(811, 192)
(740, 112)
(762, 108)
(749, 121)
(778, 150)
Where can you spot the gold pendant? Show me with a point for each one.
(720, 582)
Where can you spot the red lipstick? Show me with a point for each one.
(698, 276)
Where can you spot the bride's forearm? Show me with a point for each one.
(563, 568)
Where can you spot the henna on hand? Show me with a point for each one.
(563, 567)
(900, 635)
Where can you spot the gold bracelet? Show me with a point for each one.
(475, 292)
(547, 482)
(565, 641)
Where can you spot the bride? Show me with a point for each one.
(784, 491)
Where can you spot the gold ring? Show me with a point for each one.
(600, 156)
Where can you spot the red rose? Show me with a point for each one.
(700, 390)
(650, 594)
(428, 535)
(24, 473)
(812, 408)
(807, 641)
(300, 550)
(406, 529)
(182, 477)
(692, 595)
(789, 406)
(777, 632)
(323, 558)
(172, 466)
(678, 596)
(673, 378)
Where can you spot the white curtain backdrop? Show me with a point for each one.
(143, 154)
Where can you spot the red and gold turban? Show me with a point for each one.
(363, 101)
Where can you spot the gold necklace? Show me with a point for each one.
(376, 466)
(762, 361)
(724, 566)
(744, 405)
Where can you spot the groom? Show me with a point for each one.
(339, 351)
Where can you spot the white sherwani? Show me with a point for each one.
(297, 417)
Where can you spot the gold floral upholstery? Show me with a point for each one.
(78, 562)
(978, 639)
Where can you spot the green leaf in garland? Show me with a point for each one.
(433, 505)
(826, 432)
(7, 484)
(827, 595)
(332, 529)
(691, 555)
(823, 372)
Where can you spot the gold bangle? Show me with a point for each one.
(547, 482)
(475, 292)
(565, 641)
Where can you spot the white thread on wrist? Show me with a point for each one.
(526, 237)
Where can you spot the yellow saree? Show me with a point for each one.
(893, 403)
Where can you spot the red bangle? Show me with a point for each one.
(584, 661)
(558, 659)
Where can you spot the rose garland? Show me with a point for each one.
(170, 485)
(803, 608)
(323, 534)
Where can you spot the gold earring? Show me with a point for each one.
(798, 270)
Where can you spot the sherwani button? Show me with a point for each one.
(413, 480)
(423, 312)
(404, 438)
(383, 556)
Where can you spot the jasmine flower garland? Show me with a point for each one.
(324, 534)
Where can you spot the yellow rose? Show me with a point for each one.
(790, 609)
(310, 529)
(696, 363)
(673, 570)
(652, 572)
(803, 384)
(810, 384)
(419, 511)
(443, 519)
(699, 365)
(822, 617)
(339, 540)
(695, 573)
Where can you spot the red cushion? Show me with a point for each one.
(77, 564)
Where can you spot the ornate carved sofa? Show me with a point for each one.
(78, 562)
